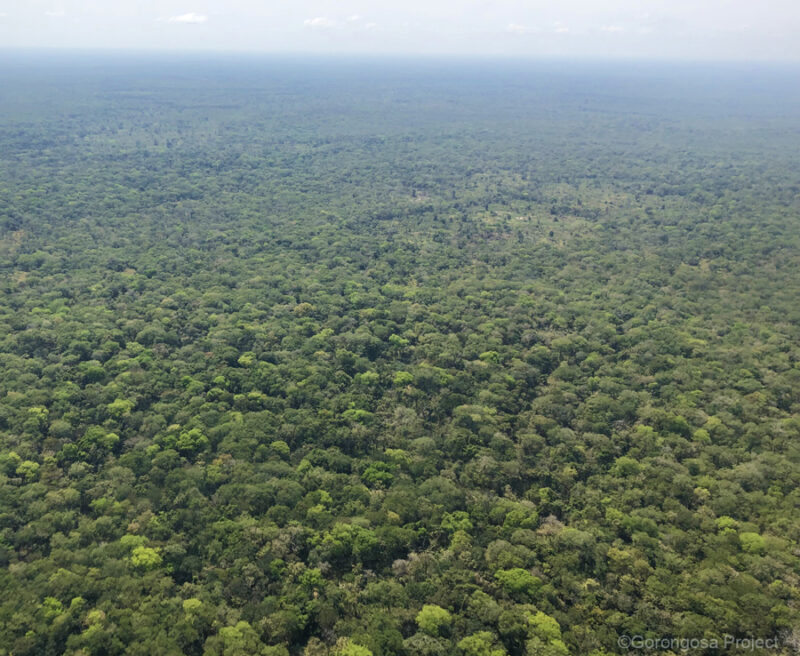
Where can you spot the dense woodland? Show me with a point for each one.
(396, 358)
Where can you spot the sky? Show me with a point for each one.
(661, 29)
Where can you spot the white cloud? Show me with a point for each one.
(192, 18)
(516, 28)
(352, 23)
(58, 13)
(612, 28)
(320, 23)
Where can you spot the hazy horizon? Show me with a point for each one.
(102, 55)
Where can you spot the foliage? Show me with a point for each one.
(305, 357)
(433, 619)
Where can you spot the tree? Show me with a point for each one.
(238, 640)
(145, 558)
(434, 620)
(482, 643)
(518, 582)
(345, 647)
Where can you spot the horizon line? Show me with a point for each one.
(384, 55)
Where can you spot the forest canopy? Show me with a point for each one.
(396, 358)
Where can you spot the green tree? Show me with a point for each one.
(482, 643)
(434, 620)
(145, 558)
